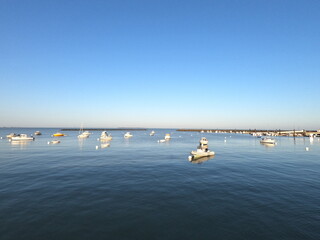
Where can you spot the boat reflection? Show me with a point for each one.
(104, 145)
(21, 144)
(201, 160)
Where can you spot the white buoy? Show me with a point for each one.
(225, 140)
(48, 142)
(307, 149)
(97, 147)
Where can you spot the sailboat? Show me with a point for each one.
(83, 134)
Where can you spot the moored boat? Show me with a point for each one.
(268, 141)
(54, 142)
(22, 137)
(105, 136)
(37, 133)
(167, 136)
(202, 151)
(204, 141)
(12, 135)
(58, 134)
(152, 133)
(128, 135)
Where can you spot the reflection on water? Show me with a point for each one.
(105, 145)
(81, 142)
(22, 144)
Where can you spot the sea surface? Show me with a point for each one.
(138, 188)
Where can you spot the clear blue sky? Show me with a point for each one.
(161, 63)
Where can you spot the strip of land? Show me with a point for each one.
(259, 132)
(104, 129)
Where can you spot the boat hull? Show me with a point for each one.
(197, 155)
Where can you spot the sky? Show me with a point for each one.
(160, 63)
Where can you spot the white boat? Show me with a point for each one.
(105, 136)
(83, 134)
(12, 135)
(22, 137)
(152, 133)
(167, 136)
(128, 135)
(204, 141)
(37, 133)
(202, 150)
(161, 141)
(199, 153)
(268, 141)
(54, 142)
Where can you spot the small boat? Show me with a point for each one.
(202, 151)
(54, 142)
(268, 141)
(58, 134)
(22, 137)
(167, 136)
(12, 135)
(37, 133)
(128, 135)
(161, 141)
(152, 133)
(204, 141)
(105, 136)
(199, 153)
(83, 135)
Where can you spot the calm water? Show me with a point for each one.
(141, 189)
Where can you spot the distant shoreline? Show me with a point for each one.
(104, 129)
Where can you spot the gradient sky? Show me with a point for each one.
(160, 63)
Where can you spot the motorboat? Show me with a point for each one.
(58, 134)
(199, 153)
(202, 150)
(22, 137)
(12, 135)
(105, 136)
(152, 133)
(86, 133)
(268, 141)
(161, 141)
(54, 142)
(83, 135)
(37, 133)
(128, 135)
(167, 136)
(204, 141)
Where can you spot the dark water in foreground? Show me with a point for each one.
(141, 189)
